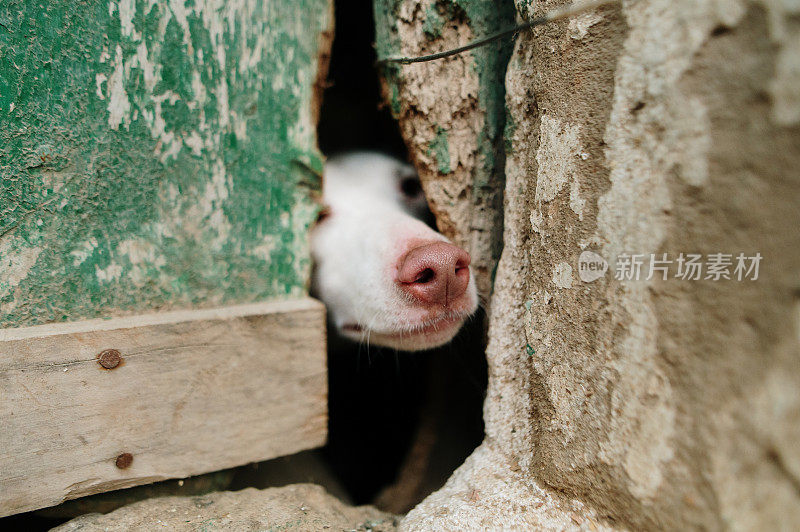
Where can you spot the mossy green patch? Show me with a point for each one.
(439, 148)
(433, 22)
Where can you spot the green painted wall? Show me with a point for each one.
(155, 154)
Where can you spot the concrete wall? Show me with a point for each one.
(156, 154)
(650, 127)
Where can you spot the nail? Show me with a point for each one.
(124, 460)
(110, 358)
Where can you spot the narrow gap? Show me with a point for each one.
(353, 116)
(400, 423)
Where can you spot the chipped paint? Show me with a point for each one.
(17, 263)
(558, 149)
(562, 275)
(174, 162)
(440, 151)
(576, 203)
(118, 105)
(579, 26)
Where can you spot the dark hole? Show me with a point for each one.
(323, 213)
(720, 30)
(385, 404)
(353, 116)
(411, 187)
(427, 275)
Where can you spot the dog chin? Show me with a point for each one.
(428, 336)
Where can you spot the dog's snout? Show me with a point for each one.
(435, 274)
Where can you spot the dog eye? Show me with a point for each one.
(324, 212)
(411, 187)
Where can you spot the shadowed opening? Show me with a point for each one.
(400, 423)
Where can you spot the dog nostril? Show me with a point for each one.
(435, 273)
(425, 276)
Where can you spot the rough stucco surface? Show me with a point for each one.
(295, 507)
(659, 127)
(155, 154)
(453, 129)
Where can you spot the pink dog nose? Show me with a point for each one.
(434, 273)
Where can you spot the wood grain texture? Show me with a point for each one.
(197, 391)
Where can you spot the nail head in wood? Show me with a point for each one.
(124, 460)
(110, 358)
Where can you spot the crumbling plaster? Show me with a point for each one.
(648, 127)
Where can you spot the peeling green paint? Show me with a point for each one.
(440, 149)
(433, 22)
(386, 14)
(155, 154)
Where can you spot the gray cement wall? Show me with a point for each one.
(652, 127)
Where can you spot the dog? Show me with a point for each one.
(386, 277)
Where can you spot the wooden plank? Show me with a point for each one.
(196, 391)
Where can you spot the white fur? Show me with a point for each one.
(356, 251)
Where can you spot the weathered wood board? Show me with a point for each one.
(196, 391)
(156, 155)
